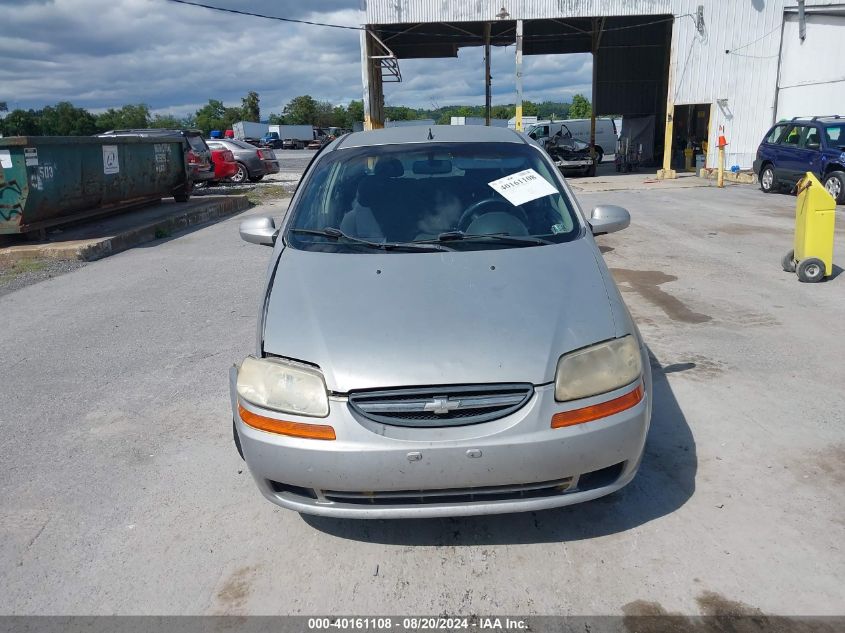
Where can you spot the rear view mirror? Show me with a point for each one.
(259, 229)
(430, 167)
(608, 218)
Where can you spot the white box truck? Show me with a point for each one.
(248, 129)
(289, 136)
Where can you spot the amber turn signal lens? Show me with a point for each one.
(281, 427)
(597, 411)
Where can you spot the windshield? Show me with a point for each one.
(467, 196)
(196, 143)
(240, 144)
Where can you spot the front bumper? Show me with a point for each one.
(199, 173)
(573, 163)
(514, 464)
(226, 170)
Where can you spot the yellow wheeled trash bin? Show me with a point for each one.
(815, 213)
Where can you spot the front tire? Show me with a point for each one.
(810, 270)
(834, 184)
(241, 175)
(788, 262)
(768, 180)
(184, 194)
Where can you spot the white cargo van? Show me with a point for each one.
(606, 134)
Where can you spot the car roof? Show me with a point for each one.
(151, 132)
(429, 134)
(816, 119)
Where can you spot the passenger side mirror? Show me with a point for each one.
(259, 229)
(608, 218)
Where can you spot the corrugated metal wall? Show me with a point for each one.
(812, 77)
(396, 11)
(702, 71)
(746, 77)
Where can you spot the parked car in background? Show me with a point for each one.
(198, 162)
(569, 154)
(579, 129)
(792, 148)
(252, 141)
(510, 375)
(225, 165)
(253, 163)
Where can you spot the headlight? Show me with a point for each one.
(283, 386)
(598, 369)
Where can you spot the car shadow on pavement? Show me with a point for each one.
(665, 482)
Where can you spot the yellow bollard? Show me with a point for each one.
(720, 180)
(815, 216)
(688, 154)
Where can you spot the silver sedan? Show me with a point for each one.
(439, 336)
(253, 162)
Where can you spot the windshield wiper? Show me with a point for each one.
(503, 238)
(337, 234)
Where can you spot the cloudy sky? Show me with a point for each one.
(106, 53)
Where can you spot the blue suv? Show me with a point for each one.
(792, 148)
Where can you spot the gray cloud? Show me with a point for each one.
(173, 57)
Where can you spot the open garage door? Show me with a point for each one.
(812, 76)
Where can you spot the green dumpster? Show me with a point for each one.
(49, 180)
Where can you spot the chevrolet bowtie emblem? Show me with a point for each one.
(442, 405)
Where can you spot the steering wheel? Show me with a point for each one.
(488, 205)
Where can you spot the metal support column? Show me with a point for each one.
(598, 27)
(518, 113)
(667, 173)
(487, 95)
(372, 83)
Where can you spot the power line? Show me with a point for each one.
(462, 36)
(731, 51)
(267, 17)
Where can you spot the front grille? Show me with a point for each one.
(452, 495)
(481, 494)
(430, 407)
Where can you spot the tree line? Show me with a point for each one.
(65, 119)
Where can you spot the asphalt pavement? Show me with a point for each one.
(121, 491)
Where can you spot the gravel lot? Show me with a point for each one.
(16, 275)
(122, 491)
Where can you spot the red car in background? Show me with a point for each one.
(224, 165)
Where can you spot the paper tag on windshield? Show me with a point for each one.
(523, 186)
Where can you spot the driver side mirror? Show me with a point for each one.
(608, 218)
(814, 146)
(259, 229)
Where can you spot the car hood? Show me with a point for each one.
(413, 319)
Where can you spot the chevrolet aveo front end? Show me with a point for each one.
(439, 336)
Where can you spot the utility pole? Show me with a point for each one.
(518, 113)
(487, 95)
(598, 27)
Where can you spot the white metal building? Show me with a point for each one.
(696, 65)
